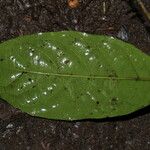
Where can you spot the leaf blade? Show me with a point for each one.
(72, 75)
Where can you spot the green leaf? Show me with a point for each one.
(72, 75)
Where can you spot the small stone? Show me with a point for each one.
(9, 126)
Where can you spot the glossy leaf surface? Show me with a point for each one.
(72, 75)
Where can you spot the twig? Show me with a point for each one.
(104, 8)
(144, 9)
(106, 29)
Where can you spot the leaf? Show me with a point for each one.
(72, 75)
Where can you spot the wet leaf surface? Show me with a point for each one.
(72, 75)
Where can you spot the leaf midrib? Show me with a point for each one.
(87, 76)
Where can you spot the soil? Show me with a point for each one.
(122, 19)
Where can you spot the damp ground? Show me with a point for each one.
(119, 18)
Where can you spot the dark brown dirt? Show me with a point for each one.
(19, 131)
